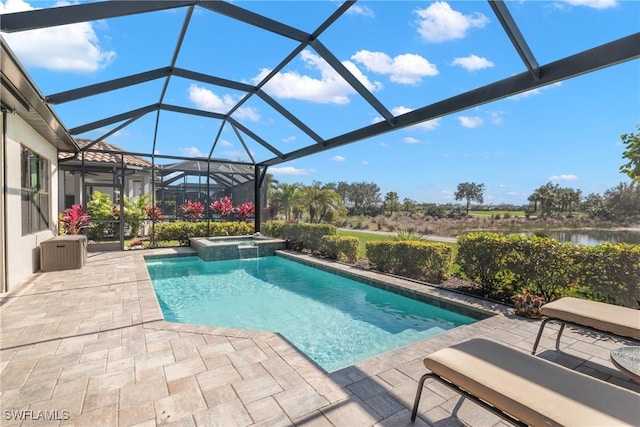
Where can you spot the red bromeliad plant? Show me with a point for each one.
(224, 206)
(246, 209)
(74, 219)
(191, 210)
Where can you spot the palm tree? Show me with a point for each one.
(322, 202)
(287, 195)
(535, 198)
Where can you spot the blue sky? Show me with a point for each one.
(407, 53)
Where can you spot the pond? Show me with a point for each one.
(595, 237)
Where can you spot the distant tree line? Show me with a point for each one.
(320, 202)
(324, 202)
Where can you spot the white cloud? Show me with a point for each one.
(470, 121)
(495, 117)
(191, 152)
(366, 163)
(439, 23)
(330, 88)
(411, 140)
(289, 170)
(362, 10)
(473, 63)
(407, 69)
(383, 145)
(289, 139)
(595, 4)
(535, 92)
(225, 143)
(206, 99)
(563, 177)
(447, 194)
(73, 47)
(338, 158)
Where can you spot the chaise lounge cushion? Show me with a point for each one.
(532, 389)
(615, 319)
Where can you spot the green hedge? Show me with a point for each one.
(506, 265)
(429, 261)
(342, 248)
(611, 273)
(300, 236)
(183, 230)
(482, 259)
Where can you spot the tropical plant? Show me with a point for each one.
(406, 235)
(101, 208)
(245, 210)
(321, 202)
(286, 195)
(191, 210)
(135, 212)
(74, 219)
(154, 213)
(223, 207)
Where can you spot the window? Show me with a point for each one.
(34, 192)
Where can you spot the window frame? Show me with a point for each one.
(35, 186)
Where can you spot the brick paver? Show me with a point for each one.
(90, 347)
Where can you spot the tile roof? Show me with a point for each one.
(107, 156)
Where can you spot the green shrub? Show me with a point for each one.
(482, 258)
(543, 266)
(430, 261)
(342, 248)
(273, 228)
(300, 236)
(231, 228)
(610, 273)
(505, 265)
(182, 231)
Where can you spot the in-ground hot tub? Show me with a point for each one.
(233, 247)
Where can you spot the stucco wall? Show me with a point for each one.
(23, 255)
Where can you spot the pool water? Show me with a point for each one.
(334, 320)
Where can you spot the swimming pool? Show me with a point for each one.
(334, 320)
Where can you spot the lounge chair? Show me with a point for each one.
(598, 316)
(528, 390)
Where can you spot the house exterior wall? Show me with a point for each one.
(3, 240)
(23, 254)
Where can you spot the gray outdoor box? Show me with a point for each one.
(63, 253)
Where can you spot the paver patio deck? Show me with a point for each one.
(90, 347)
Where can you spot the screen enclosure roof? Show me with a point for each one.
(211, 74)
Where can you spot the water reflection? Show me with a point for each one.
(595, 237)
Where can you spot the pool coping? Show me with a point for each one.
(152, 313)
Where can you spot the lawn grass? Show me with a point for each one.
(363, 237)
